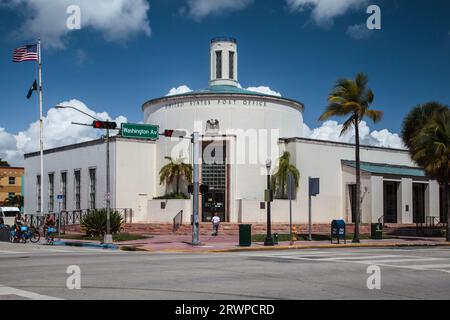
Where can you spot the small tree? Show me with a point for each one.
(94, 223)
(15, 201)
(4, 163)
(174, 171)
(280, 177)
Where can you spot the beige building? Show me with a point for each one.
(11, 182)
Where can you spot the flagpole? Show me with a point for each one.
(41, 125)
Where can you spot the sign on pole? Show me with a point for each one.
(140, 131)
(59, 198)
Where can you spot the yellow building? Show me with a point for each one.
(11, 182)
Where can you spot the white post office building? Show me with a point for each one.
(240, 130)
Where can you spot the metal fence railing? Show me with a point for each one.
(69, 218)
(177, 220)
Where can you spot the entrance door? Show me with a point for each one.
(213, 202)
(214, 176)
(418, 202)
(390, 201)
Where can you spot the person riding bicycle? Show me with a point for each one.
(18, 222)
(48, 222)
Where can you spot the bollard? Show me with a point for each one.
(294, 233)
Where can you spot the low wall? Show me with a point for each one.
(164, 210)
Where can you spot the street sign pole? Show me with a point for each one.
(195, 155)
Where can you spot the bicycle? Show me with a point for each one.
(26, 233)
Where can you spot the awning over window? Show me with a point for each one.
(387, 169)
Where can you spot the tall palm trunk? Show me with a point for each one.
(358, 184)
(178, 183)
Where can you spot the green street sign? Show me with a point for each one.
(140, 131)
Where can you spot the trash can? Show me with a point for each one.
(275, 238)
(245, 235)
(338, 230)
(376, 231)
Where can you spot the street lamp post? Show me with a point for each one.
(108, 236)
(269, 240)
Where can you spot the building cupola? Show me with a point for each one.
(223, 55)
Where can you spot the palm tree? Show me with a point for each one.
(279, 178)
(174, 170)
(416, 119)
(431, 150)
(353, 98)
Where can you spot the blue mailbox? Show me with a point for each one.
(338, 230)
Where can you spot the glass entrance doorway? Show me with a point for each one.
(213, 202)
(214, 175)
(390, 201)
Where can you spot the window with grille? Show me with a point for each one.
(51, 192)
(12, 180)
(214, 169)
(77, 189)
(231, 65)
(38, 192)
(64, 190)
(92, 182)
(218, 64)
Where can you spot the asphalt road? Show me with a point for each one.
(39, 272)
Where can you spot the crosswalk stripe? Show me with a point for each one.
(26, 294)
(358, 257)
(376, 261)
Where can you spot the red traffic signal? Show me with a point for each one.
(175, 133)
(104, 124)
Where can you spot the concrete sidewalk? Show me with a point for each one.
(226, 243)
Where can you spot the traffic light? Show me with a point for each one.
(104, 124)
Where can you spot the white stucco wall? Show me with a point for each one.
(90, 156)
(323, 160)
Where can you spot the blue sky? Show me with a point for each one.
(296, 47)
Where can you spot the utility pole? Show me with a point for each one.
(108, 237)
(195, 155)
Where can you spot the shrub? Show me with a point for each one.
(94, 223)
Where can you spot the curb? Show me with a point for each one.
(299, 247)
(85, 244)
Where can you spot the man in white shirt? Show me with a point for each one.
(215, 221)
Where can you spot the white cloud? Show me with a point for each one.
(115, 19)
(359, 31)
(324, 11)
(179, 90)
(58, 131)
(199, 9)
(264, 90)
(331, 130)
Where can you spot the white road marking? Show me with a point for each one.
(26, 294)
(11, 252)
(367, 258)
(359, 258)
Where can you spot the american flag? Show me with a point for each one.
(26, 53)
